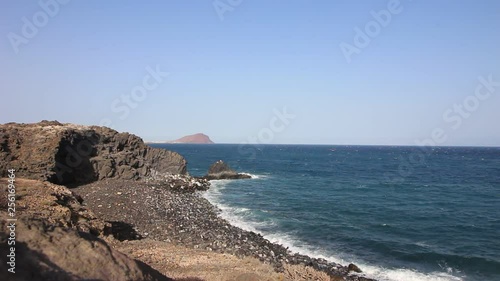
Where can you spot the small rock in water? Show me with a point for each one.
(353, 267)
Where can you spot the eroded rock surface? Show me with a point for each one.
(55, 253)
(74, 154)
(56, 239)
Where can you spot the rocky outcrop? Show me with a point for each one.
(220, 170)
(56, 239)
(73, 154)
(55, 253)
(54, 204)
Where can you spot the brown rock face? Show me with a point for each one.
(54, 204)
(55, 239)
(54, 253)
(196, 138)
(73, 154)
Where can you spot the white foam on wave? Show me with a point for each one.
(377, 272)
(405, 274)
(372, 271)
(255, 176)
(236, 216)
(239, 217)
(214, 192)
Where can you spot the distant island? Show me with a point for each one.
(196, 138)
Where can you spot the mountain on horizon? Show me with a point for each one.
(196, 138)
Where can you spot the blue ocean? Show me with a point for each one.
(400, 213)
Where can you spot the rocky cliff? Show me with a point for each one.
(74, 154)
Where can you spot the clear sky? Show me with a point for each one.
(232, 64)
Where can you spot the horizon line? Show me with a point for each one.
(325, 144)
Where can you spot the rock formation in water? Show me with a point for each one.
(220, 170)
(75, 154)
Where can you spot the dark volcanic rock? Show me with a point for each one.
(220, 167)
(73, 154)
(220, 170)
(353, 267)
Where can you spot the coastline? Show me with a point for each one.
(378, 272)
(139, 196)
(118, 189)
(151, 210)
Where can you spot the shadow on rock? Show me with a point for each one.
(123, 231)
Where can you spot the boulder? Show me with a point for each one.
(55, 204)
(58, 238)
(51, 253)
(73, 154)
(220, 170)
(354, 268)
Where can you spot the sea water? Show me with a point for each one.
(400, 213)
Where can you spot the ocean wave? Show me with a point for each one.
(253, 176)
(242, 218)
(384, 274)
(214, 192)
(372, 271)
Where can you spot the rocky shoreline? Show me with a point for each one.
(152, 209)
(96, 186)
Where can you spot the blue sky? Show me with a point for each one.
(229, 71)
